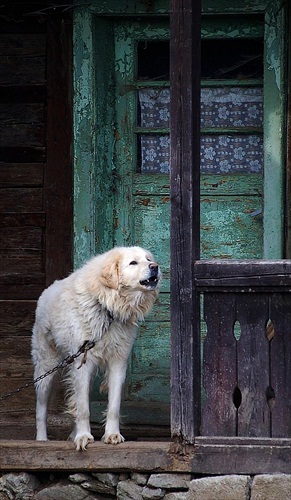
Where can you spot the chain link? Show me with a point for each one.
(88, 344)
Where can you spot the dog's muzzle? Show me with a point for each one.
(154, 277)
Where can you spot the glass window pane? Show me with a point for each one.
(153, 60)
(226, 59)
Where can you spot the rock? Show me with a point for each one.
(231, 487)
(123, 476)
(107, 478)
(18, 485)
(128, 490)
(153, 493)
(141, 479)
(170, 481)
(99, 487)
(64, 491)
(79, 478)
(176, 496)
(271, 487)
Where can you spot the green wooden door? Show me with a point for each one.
(130, 170)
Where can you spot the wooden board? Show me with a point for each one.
(153, 456)
(280, 353)
(219, 366)
(253, 368)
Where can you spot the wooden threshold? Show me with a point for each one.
(207, 456)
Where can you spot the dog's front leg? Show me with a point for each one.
(81, 381)
(116, 377)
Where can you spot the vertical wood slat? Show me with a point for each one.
(280, 314)
(253, 365)
(288, 140)
(59, 170)
(185, 216)
(219, 366)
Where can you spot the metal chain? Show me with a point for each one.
(88, 344)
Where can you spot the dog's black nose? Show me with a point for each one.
(153, 265)
(154, 268)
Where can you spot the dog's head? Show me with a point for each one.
(130, 267)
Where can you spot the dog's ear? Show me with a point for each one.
(109, 274)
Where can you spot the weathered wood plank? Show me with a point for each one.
(16, 318)
(21, 239)
(27, 287)
(151, 210)
(217, 185)
(21, 174)
(21, 200)
(23, 154)
(280, 353)
(19, 22)
(16, 347)
(239, 234)
(185, 216)
(152, 349)
(153, 456)
(12, 219)
(16, 44)
(219, 366)
(22, 124)
(253, 369)
(22, 58)
(13, 93)
(135, 412)
(231, 185)
(20, 424)
(27, 70)
(241, 268)
(21, 267)
(24, 400)
(248, 274)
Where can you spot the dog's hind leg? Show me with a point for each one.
(43, 390)
(45, 357)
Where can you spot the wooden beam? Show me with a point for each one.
(243, 275)
(208, 456)
(59, 169)
(185, 216)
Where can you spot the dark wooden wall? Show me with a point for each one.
(35, 185)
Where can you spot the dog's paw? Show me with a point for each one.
(113, 438)
(81, 441)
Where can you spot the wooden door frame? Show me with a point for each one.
(185, 220)
(185, 217)
(58, 182)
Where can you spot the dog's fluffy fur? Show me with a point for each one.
(102, 301)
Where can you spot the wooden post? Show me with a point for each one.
(185, 217)
(59, 170)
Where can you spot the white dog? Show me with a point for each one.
(101, 302)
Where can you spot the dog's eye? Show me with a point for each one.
(133, 263)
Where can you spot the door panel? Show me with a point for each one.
(232, 166)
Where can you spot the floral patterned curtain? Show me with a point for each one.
(233, 145)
